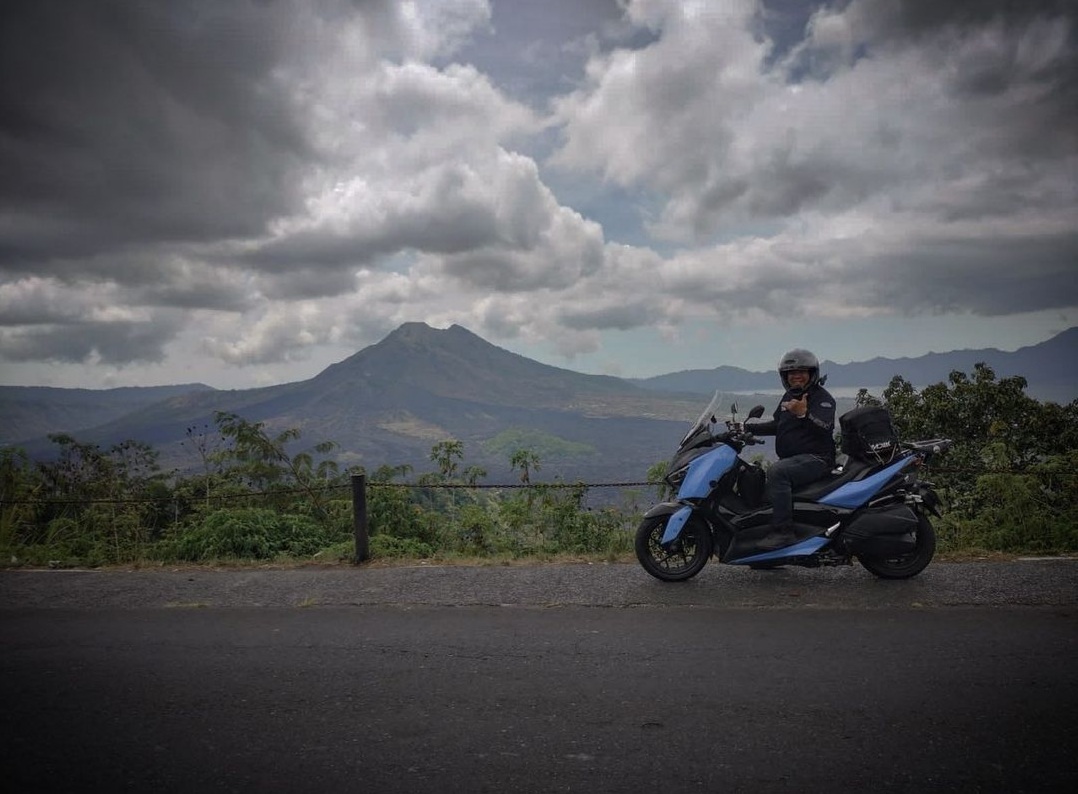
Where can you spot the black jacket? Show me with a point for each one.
(812, 434)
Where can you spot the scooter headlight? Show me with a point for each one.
(676, 477)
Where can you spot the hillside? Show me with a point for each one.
(389, 403)
(28, 411)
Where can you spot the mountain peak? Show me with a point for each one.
(411, 333)
(456, 363)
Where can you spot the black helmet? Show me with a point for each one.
(799, 359)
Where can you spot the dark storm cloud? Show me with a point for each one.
(452, 226)
(912, 18)
(1014, 35)
(621, 316)
(115, 343)
(195, 291)
(305, 283)
(127, 122)
(1010, 36)
(994, 276)
(1031, 274)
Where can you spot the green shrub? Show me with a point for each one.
(474, 532)
(251, 533)
(388, 546)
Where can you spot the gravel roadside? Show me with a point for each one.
(1024, 582)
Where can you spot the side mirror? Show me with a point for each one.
(756, 412)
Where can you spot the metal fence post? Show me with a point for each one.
(359, 517)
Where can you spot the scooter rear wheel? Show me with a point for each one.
(679, 560)
(906, 565)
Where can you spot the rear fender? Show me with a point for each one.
(927, 498)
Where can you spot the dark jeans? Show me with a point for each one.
(785, 475)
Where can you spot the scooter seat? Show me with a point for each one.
(851, 471)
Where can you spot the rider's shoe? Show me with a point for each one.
(779, 536)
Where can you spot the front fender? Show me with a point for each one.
(676, 523)
(679, 513)
(663, 509)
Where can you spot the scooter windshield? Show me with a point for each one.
(707, 418)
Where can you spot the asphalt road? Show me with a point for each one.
(536, 679)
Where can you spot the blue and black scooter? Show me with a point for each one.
(872, 508)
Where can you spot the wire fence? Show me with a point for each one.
(321, 489)
(586, 486)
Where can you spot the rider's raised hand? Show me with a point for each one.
(798, 407)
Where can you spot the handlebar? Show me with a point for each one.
(738, 434)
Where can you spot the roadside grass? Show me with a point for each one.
(187, 605)
(571, 540)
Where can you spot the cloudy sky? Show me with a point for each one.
(242, 193)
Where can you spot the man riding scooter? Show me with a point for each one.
(804, 428)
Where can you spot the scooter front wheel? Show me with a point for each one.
(679, 560)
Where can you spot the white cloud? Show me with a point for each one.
(263, 185)
(725, 139)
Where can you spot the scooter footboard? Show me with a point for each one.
(882, 532)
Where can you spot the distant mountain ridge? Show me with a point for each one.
(28, 411)
(1045, 366)
(390, 402)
